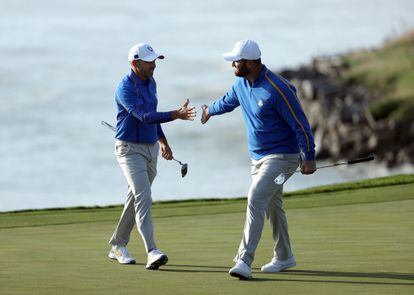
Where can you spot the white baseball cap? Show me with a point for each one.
(143, 51)
(244, 49)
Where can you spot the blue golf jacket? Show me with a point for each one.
(136, 101)
(275, 121)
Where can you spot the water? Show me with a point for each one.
(60, 62)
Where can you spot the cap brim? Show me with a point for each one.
(230, 56)
(152, 57)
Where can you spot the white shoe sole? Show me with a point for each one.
(157, 263)
(113, 257)
(279, 269)
(239, 275)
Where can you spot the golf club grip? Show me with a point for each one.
(361, 160)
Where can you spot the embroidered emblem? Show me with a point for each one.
(260, 103)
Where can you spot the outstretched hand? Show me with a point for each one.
(205, 116)
(185, 112)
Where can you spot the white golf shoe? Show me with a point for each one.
(241, 270)
(121, 254)
(155, 259)
(278, 265)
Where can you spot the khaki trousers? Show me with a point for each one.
(265, 198)
(139, 164)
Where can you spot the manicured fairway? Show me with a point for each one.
(346, 242)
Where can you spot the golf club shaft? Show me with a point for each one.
(349, 162)
(177, 161)
(108, 125)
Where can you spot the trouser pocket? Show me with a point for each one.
(122, 149)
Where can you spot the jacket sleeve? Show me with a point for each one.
(159, 131)
(134, 104)
(225, 104)
(288, 106)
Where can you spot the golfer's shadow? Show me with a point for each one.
(340, 274)
(195, 268)
(376, 275)
(301, 274)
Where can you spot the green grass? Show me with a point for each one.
(355, 240)
(389, 72)
(346, 186)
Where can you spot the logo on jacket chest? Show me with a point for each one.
(260, 103)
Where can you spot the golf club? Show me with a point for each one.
(281, 178)
(109, 126)
(184, 166)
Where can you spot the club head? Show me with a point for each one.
(184, 169)
(280, 179)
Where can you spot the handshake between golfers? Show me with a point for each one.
(187, 112)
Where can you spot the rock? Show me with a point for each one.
(322, 152)
(338, 112)
(373, 143)
(403, 156)
(307, 90)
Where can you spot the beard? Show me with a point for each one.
(243, 71)
(148, 72)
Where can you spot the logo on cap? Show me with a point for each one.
(150, 48)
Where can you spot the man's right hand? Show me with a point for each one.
(185, 112)
(308, 167)
(205, 116)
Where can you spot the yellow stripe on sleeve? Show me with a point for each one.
(290, 108)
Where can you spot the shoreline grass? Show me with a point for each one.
(400, 179)
(389, 71)
(386, 189)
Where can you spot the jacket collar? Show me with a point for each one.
(261, 76)
(136, 79)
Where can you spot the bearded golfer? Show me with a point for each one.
(278, 135)
(139, 137)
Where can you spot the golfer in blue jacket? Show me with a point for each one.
(279, 140)
(139, 139)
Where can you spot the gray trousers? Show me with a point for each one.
(139, 164)
(265, 198)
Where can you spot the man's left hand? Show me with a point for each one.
(166, 152)
(308, 167)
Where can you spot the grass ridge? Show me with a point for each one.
(357, 195)
(346, 186)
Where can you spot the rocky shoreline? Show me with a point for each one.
(341, 119)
